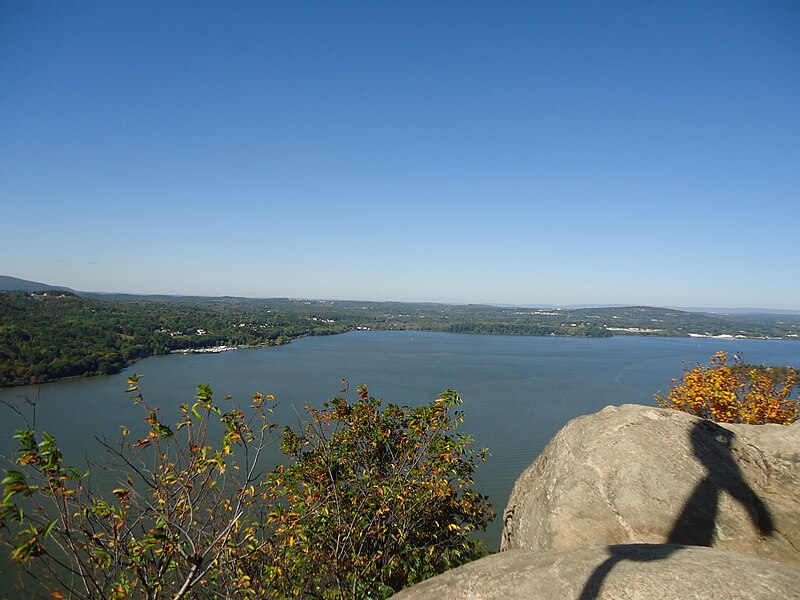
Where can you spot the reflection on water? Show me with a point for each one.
(518, 391)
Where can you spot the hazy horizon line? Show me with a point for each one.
(545, 305)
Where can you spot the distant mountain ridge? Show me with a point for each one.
(745, 310)
(15, 284)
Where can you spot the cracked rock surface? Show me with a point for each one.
(640, 475)
(635, 572)
(636, 503)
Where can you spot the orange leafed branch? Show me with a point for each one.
(734, 394)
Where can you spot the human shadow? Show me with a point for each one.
(696, 523)
(632, 552)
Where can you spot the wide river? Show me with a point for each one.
(517, 391)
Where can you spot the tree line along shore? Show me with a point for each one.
(51, 335)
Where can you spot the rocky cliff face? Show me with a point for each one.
(640, 502)
(634, 474)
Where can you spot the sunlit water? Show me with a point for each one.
(517, 391)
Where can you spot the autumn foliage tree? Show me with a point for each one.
(184, 518)
(372, 500)
(376, 498)
(735, 393)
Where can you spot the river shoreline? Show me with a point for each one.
(227, 348)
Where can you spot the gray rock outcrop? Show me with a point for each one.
(636, 474)
(637, 503)
(635, 572)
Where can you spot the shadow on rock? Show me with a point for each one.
(697, 521)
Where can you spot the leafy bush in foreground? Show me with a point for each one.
(373, 500)
(184, 515)
(376, 499)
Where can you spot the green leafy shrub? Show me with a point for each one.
(184, 518)
(372, 501)
(376, 499)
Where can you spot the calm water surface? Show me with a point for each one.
(517, 391)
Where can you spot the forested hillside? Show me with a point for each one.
(45, 336)
(48, 336)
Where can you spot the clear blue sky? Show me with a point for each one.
(505, 152)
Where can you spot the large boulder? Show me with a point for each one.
(636, 474)
(635, 572)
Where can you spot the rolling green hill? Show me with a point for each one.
(50, 335)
